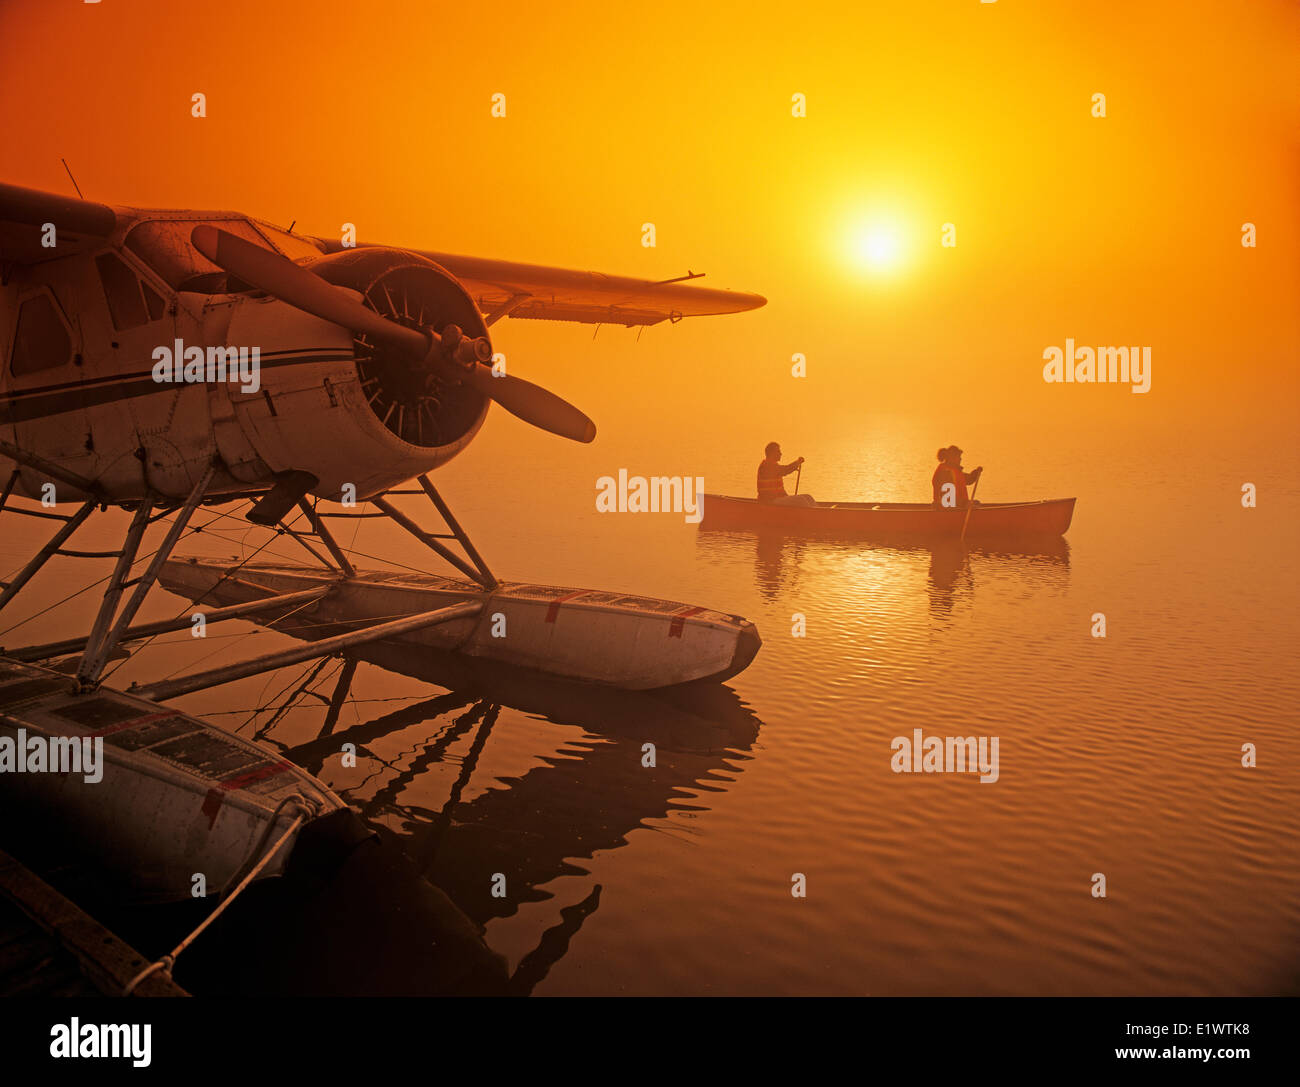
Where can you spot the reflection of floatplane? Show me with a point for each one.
(587, 789)
(129, 336)
(704, 718)
(899, 520)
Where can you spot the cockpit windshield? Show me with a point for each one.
(164, 245)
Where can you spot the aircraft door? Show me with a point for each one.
(137, 318)
(43, 379)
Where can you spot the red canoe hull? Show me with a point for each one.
(996, 520)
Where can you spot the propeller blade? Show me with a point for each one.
(532, 404)
(298, 286)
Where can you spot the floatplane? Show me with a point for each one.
(160, 361)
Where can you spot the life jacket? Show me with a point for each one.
(769, 482)
(946, 473)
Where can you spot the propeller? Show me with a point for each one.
(451, 351)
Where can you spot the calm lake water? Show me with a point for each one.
(1119, 756)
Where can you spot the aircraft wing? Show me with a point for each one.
(543, 293)
(78, 225)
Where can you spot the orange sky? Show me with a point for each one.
(1120, 230)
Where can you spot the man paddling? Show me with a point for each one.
(949, 480)
(771, 472)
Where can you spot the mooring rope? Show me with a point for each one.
(168, 961)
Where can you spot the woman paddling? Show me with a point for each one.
(948, 483)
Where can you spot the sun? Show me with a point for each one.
(879, 247)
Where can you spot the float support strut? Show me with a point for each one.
(94, 659)
(116, 585)
(171, 688)
(70, 525)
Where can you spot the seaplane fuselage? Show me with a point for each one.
(148, 353)
(122, 369)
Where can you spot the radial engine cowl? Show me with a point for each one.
(423, 405)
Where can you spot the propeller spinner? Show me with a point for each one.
(450, 353)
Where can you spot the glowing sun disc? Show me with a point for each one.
(879, 248)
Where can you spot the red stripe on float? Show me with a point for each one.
(267, 770)
(554, 610)
(679, 621)
(216, 795)
(212, 805)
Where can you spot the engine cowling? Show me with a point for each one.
(423, 408)
(366, 417)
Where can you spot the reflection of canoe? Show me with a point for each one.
(893, 519)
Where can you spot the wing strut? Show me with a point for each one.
(506, 308)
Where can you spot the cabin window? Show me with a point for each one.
(122, 289)
(42, 340)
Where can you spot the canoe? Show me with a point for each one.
(609, 639)
(915, 520)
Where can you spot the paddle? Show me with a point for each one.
(797, 474)
(970, 506)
